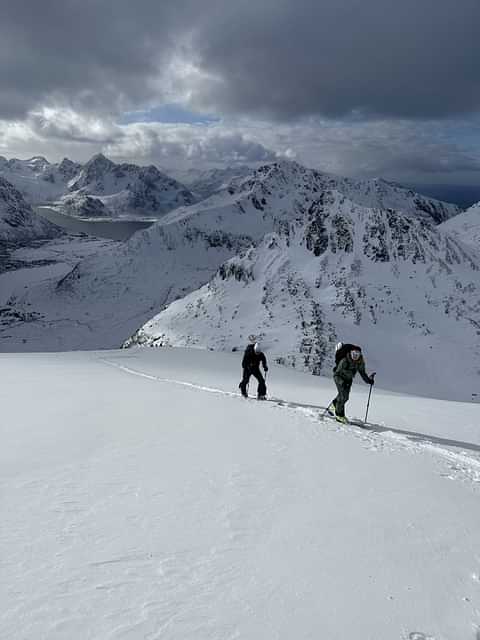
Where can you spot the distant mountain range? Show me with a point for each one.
(99, 188)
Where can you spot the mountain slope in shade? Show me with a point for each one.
(466, 226)
(18, 221)
(408, 292)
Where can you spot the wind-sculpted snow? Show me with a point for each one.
(18, 222)
(394, 283)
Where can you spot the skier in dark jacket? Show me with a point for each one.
(343, 374)
(252, 358)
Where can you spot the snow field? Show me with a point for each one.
(138, 508)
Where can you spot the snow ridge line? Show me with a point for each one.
(450, 456)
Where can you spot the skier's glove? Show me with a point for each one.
(265, 369)
(372, 378)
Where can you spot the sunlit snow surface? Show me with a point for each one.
(143, 498)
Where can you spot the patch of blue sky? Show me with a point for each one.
(169, 114)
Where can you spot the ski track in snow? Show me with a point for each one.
(377, 437)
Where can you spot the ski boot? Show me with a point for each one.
(259, 397)
(341, 419)
(331, 410)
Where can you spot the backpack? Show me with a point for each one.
(342, 350)
(249, 356)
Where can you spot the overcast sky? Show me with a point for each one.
(357, 87)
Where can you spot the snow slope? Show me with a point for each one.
(168, 507)
(407, 292)
(18, 221)
(466, 226)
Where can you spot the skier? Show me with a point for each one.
(349, 361)
(252, 358)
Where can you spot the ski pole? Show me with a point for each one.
(369, 394)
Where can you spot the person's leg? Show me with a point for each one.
(342, 398)
(244, 383)
(262, 388)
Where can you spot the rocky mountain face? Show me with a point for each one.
(18, 221)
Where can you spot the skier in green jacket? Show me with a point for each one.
(343, 374)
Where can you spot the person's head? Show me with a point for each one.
(355, 354)
(252, 339)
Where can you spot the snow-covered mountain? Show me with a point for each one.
(126, 190)
(335, 269)
(466, 226)
(38, 181)
(18, 221)
(97, 189)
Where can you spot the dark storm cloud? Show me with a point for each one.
(410, 58)
(88, 54)
(283, 58)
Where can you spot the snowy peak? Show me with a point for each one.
(92, 175)
(128, 189)
(281, 177)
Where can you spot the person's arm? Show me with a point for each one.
(363, 373)
(263, 360)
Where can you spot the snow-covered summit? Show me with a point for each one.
(18, 222)
(280, 177)
(128, 189)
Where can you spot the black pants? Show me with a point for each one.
(343, 389)
(247, 372)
